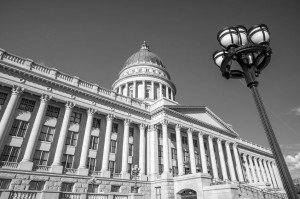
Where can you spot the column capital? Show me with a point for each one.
(164, 122)
(201, 134)
(178, 127)
(245, 156)
(45, 97)
(219, 140)
(142, 126)
(190, 130)
(17, 90)
(91, 111)
(154, 127)
(255, 157)
(110, 116)
(227, 143)
(210, 137)
(69, 105)
(127, 122)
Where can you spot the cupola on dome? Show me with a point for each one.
(144, 56)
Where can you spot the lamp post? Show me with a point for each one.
(135, 172)
(251, 50)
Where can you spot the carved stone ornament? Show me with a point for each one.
(227, 143)
(210, 137)
(45, 97)
(91, 111)
(219, 140)
(201, 134)
(190, 130)
(22, 80)
(178, 127)
(142, 126)
(164, 122)
(110, 116)
(127, 121)
(70, 105)
(17, 90)
(154, 127)
(49, 89)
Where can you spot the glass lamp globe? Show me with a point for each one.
(242, 33)
(218, 57)
(228, 36)
(259, 34)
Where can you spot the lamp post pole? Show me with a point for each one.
(252, 52)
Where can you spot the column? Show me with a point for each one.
(160, 90)
(142, 154)
(134, 89)
(148, 151)
(152, 88)
(202, 153)
(247, 168)
(144, 89)
(252, 169)
(262, 170)
(272, 175)
(166, 172)
(213, 157)
(167, 92)
(222, 160)
(106, 151)
(238, 163)
(56, 165)
(126, 89)
(83, 170)
(124, 171)
(6, 118)
(268, 173)
(257, 169)
(154, 152)
(172, 97)
(120, 90)
(192, 150)
(179, 150)
(26, 163)
(278, 179)
(230, 162)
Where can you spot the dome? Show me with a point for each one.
(144, 56)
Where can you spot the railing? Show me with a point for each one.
(40, 69)
(64, 77)
(70, 171)
(9, 165)
(23, 195)
(95, 173)
(96, 196)
(41, 168)
(13, 58)
(69, 196)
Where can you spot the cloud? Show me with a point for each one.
(293, 162)
(295, 111)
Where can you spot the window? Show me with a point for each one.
(27, 105)
(173, 137)
(93, 188)
(94, 142)
(67, 187)
(130, 91)
(47, 133)
(174, 153)
(129, 168)
(67, 161)
(40, 157)
(147, 92)
(130, 150)
(195, 143)
(205, 146)
(115, 188)
(72, 138)
(187, 170)
(132, 189)
(113, 146)
(197, 158)
(75, 117)
(160, 151)
(131, 132)
(111, 165)
(96, 123)
(91, 164)
(186, 156)
(175, 171)
(4, 183)
(18, 128)
(3, 97)
(184, 140)
(115, 128)
(10, 153)
(159, 134)
(36, 185)
(160, 168)
(52, 111)
(158, 192)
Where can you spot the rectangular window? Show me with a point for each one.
(131, 132)
(159, 134)
(91, 164)
(173, 137)
(160, 168)
(67, 187)
(175, 171)
(40, 157)
(4, 183)
(75, 117)
(187, 170)
(197, 157)
(93, 188)
(47, 133)
(18, 128)
(130, 150)
(186, 156)
(129, 168)
(94, 142)
(195, 143)
(174, 153)
(132, 189)
(10, 153)
(36, 185)
(184, 140)
(160, 151)
(67, 161)
(113, 146)
(52, 111)
(115, 128)
(111, 165)
(3, 97)
(158, 192)
(115, 188)
(96, 123)
(27, 105)
(72, 138)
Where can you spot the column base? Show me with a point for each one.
(83, 171)
(105, 174)
(125, 175)
(166, 175)
(57, 169)
(143, 177)
(28, 165)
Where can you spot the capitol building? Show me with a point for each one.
(62, 137)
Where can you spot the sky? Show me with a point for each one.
(93, 39)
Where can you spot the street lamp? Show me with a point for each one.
(135, 173)
(251, 50)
